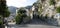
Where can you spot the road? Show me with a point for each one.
(32, 26)
(35, 23)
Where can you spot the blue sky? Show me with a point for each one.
(20, 3)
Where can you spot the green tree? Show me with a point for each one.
(3, 9)
(18, 19)
(21, 14)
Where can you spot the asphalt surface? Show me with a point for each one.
(32, 26)
(34, 23)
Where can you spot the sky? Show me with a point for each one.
(20, 3)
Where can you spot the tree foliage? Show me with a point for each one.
(3, 9)
(21, 14)
(58, 9)
(52, 2)
(1, 23)
(18, 19)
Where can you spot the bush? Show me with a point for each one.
(18, 19)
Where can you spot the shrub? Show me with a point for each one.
(18, 19)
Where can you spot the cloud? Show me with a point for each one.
(20, 3)
(16, 3)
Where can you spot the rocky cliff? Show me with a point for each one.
(47, 7)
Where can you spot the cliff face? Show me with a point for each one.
(57, 3)
(48, 7)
